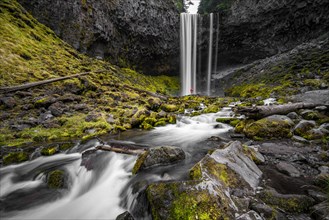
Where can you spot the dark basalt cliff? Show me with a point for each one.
(255, 29)
(138, 33)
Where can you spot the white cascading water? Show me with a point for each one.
(104, 190)
(188, 41)
(189, 37)
(90, 196)
(211, 24)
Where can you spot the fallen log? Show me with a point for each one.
(257, 112)
(120, 150)
(123, 147)
(44, 82)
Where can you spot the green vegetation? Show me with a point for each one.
(180, 200)
(288, 203)
(267, 128)
(15, 157)
(31, 52)
(56, 179)
(209, 6)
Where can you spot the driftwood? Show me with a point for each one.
(258, 112)
(147, 92)
(120, 150)
(44, 82)
(122, 147)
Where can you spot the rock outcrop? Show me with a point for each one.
(142, 34)
(255, 29)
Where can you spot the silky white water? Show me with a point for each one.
(101, 186)
(188, 46)
(90, 196)
(211, 24)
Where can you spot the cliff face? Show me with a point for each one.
(142, 34)
(254, 29)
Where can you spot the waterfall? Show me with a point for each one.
(188, 45)
(210, 53)
(195, 79)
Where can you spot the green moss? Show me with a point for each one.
(211, 109)
(172, 119)
(179, 200)
(160, 123)
(288, 203)
(48, 151)
(226, 120)
(268, 128)
(139, 162)
(15, 157)
(56, 179)
(169, 107)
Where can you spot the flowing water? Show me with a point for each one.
(101, 185)
(194, 78)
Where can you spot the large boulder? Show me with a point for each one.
(156, 156)
(274, 126)
(139, 33)
(208, 194)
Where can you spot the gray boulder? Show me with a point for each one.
(288, 169)
(157, 156)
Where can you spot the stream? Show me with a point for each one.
(102, 185)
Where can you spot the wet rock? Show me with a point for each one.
(188, 200)
(293, 115)
(321, 108)
(57, 108)
(299, 139)
(235, 135)
(317, 196)
(278, 126)
(233, 157)
(125, 216)
(23, 94)
(45, 116)
(324, 128)
(321, 211)
(314, 134)
(92, 117)
(324, 169)
(310, 115)
(303, 127)
(8, 102)
(15, 157)
(44, 101)
(56, 179)
(251, 215)
(69, 98)
(80, 107)
(287, 202)
(288, 169)
(263, 209)
(156, 156)
(19, 127)
(110, 119)
(316, 96)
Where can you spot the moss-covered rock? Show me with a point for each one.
(48, 151)
(288, 203)
(275, 126)
(184, 200)
(232, 121)
(211, 109)
(310, 115)
(169, 107)
(56, 179)
(156, 156)
(15, 157)
(303, 127)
